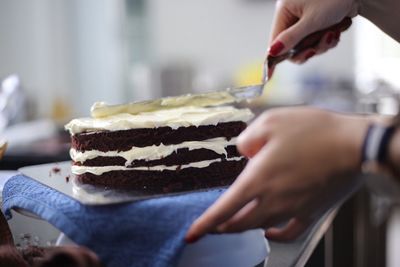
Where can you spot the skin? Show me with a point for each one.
(299, 157)
(295, 19)
(295, 172)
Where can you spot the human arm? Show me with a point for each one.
(384, 14)
(298, 158)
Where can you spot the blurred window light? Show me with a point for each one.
(377, 57)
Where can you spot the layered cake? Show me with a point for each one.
(168, 150)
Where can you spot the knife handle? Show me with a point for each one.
(313, 39)
(310, 41)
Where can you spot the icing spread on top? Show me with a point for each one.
(101, 109)
(174, 118)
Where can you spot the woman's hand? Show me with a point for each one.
(295, 19)
(297, 160)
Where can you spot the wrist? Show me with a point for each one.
(350, 137)
(352, 132)
(378, 150)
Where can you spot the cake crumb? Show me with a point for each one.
(55, 169)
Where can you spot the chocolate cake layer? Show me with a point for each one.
(125, 140)
(179, 157)
(216, 174)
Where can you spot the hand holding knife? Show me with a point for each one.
(310, 41)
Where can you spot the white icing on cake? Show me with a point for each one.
(101, 109)
(218, 145)
(103, 169)
(174, 118)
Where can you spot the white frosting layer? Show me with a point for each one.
(103, 169)
(218, 145)
(101, 109)
(174, 118)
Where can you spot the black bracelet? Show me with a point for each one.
(376, 143)
(383, 152)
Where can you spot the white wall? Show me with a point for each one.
(32, 47)
(217, 35)
(377, 56)
(70, 50)
(99, 64)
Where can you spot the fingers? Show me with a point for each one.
(292, 23)
(293, 229)
(289, 37)
(247, 218)
(227, 205)
(9, 256)
(243, 190)
(304, 56)
(250, 143)
(256, 135)
(283, 19)
(254, 215)
(328, 41)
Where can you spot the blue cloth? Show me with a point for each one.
(143, 233)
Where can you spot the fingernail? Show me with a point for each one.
(310, 54)
(329, 38)
(192, 239)
(276, 48)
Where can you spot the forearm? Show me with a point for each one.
(384, 14)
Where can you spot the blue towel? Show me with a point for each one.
(143, 233)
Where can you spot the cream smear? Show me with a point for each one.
(103, 169)
(218, 145)
(174, 118)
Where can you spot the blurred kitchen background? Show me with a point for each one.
(67, 54)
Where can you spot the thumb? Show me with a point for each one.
(288, 38)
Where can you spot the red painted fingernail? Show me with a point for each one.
(310, 54)
(329, 38)
(192, 239)
(276, 48)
